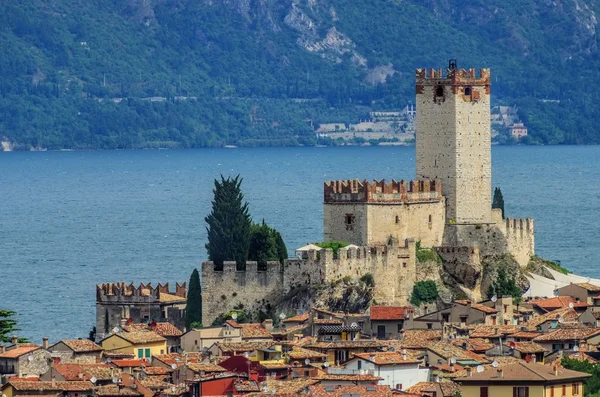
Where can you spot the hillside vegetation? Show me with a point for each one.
(196, 73)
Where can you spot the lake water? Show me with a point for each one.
(70, 220)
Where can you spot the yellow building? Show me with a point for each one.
(524, 380)
(143, 344)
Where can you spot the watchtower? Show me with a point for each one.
(453, 139)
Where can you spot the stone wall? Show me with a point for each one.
(222, 291)
(520, 238)
(453, 139)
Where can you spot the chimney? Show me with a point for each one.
(53, 381)
(555, 369)
(403, 352)
(534, 358)
(469, 371)
(268, 324)
(451, 366)
(45, 342)
(436, 379)
(123, 323)
(15, 340)
(500, 373)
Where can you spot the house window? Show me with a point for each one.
(564, 387)
(429, 326)
(493, 320)
(575, 389)
(468, 90)
(349, 221)
(551, 391)
(404, 265)
(463, 319)
(556, 347)
(446, 317)
(400, 327)
(439, 91)
(521, 391)
(359, 364)
(429, 218)
(162, 351)
(483, 391)
(147, 353)
(140, 353)
(397, 219)
(505, 308)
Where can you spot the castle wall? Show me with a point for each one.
(222, 291)
(336, 227)
(520, 238)
(453, 140)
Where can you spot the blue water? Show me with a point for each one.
(70, 220)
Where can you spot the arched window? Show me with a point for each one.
(468, 90)
(439, 91)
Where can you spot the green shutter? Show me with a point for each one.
(140, 353)
(147, 353)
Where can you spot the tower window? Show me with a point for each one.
(349, 221)
(468, 90)
(397, 219)
(429, 218)
(439, 91)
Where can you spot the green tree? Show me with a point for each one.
(498, 201)
(8, 325)
(228, 224)
(504, 285)
(592, 384)
(424, 292)
(266, 244)
(193, 308)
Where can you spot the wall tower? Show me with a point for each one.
(453, 139)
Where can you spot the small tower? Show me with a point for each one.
(453, 139)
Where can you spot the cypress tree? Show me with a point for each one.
(228, 224)
(193, 308)
(498, 201)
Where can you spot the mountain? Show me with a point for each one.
(194, 73)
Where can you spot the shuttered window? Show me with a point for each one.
(521, 391)
(483, 391)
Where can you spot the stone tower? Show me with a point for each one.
(453, 139)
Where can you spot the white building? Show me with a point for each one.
(398, 370)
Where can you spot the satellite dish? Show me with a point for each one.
(354, 325)
(278, 357)
(555, 291)
(246, 354)
(282, 315)
(480, 368)
(494, 298)
(589, 279)
(512, 345)
(561, 319)
(571, 305)
(174, 366)
(453, 360)
(575, 348)
(109, 360)
(234, 316)
(115, 330)
(326, 364)
(93, 379)
(495, 364)
(30, 357)
(115, 380)
(307, 361)
(391, 349)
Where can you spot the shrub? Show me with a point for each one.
(368, 280)
(427, 255)
(424, 292)
(334, 245)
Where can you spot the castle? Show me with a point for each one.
(448, 207)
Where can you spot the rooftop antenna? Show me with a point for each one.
(494, 298)
(495, 364)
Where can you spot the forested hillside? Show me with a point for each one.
(193, 73)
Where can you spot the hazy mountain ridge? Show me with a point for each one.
(59, 58)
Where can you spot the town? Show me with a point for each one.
(420, 288)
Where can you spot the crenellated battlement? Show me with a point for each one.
(520, 237)
(355, 191)
(453, 76)
(122, 289)
(519, 225)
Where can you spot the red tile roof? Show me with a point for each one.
(60, 386)
(128, 363)
(387, 358)
(167, 329)
(483, 308)
(81, 345)
(299, 318)
(373, 391)
(17, 352)
(77, 372)
(557, 302)
(255, 331)
(328, 321)
(568, 334)
(385, 313)
(233, 324)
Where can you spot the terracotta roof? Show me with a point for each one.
(299, 353)
(128, 363)
(167, 329)
(447, 350)
(420, 387)
(60, 386)
(448, 367)
(246, 386)
(141, 337)
(241, 347)
(483, 308)
(387, 358)
(473, 344)
(76, 372)
(81, 345)
(487, 331)
(589, 287)
(205, 367)
(289, 330)
(155, 382)
(288, 386)
(568, 334)
(115, 390)
(416, 339)
(349, 377)
(388, 313)
(327, 321)
(566, 313)
(527, 347)
(374, 391)
(274, 364)
(525, 334)
(299, 318)
(179, 359)
(556, 302)
(449, 389)
(157, 371)
(18, 379)
(233, 324)
(17, 352)
(526, 372)
(255, 331)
